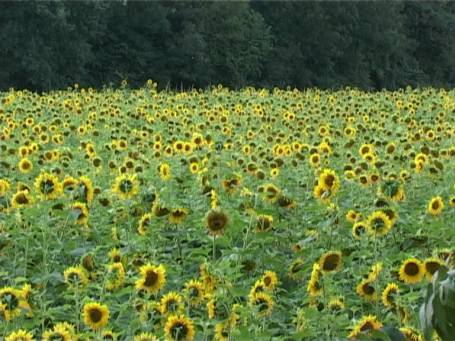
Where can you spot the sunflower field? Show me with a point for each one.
(138, 214)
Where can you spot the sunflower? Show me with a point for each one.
(295, 269)
(367, 324)
(217, 221)
(80, 213)
(108, 335)
(179, 328)
(25, 166)
(126, 186)
(152, 278)
(435, 206)
(366, 290)
(452, 201)
(12, 302)
(263, 223)
(116, 276)
(271, 193)
(150, 312)
(352, 216)
(389, 295)
(177, 215)
(211, 307)
(165, 171)
(48, 186)
(314, 287)
(379, 224)
(412, 271)
(409, 333)
(95, 315)
(145, 337)
(329, 181)
(375, 271)
(336, 304)
(263, 302)
(20, 335)
(69, 184)
(194, 291)
(432, 265)
(359, 229)
(314, 160)
(171, 302)
(222, 332)
(57, 333)
(270, 279)
(85, 190)
(21, 199)
(75, 276)
(144, 224)
(4, 187)
(330, 261)
(258, 286)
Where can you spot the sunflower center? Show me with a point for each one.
(95, 315)
(267, 281)
(432, 267)
(126, 186)
(21, 199)
(411, 269)
(194, 292)
(217, 222)
(435, 205)
(10, 300)
(367, 326)
(150, 278)
(47, 186)
(262, 304)
(179, 331)
(377, 224)
(331, 262)
(56, 336)
(329, 180)
(368, 289)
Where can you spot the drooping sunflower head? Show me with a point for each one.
(330, 261)
(10, 303)
(314, 287)
(95, 315)
(179, 328)
(217, 221)
(329, 180)
(412, 271)
(389, 295)
(411, 334)
(80, 213)
(144, 224)
(336, 304)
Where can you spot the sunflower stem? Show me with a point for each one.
(213, 249)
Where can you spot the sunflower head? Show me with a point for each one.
(330, 261)
(366, 325)
(412, 271)
(179, 328)
(48, 186)
(95, 315)
(217, 221)
(379, 224)
(389, 295)
(263, 302)
(435, 206)
(126, 186)
(152, 278)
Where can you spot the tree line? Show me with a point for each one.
(370, 45)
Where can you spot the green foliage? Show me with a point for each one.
(438, 310)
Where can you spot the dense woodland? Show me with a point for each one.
(370, 45)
